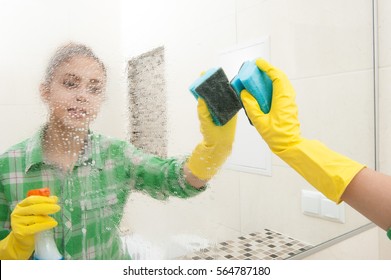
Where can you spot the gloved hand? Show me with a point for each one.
(29, 217)
(323, 168)
(216, 146)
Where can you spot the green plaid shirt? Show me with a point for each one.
(92, 196)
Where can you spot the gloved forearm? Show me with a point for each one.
(205, 161)
(11, 249)
(211, 153)
(325, 169)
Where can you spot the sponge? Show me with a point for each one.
(222, 101)
(256, 82)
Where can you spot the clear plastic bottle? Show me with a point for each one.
(45, 246)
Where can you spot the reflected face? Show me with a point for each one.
(76, 92)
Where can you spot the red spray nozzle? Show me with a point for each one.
(40, 192)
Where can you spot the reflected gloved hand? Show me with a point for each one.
(29, 217)
(216, 146)
(323, 168)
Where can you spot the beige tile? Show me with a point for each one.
(226, 205)
(363, 246)
(310, 38)
(274, 202)
(338, 110)
(191, 14)
(384, 22)
(385, 119)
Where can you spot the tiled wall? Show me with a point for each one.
(384, 84)
(384, 31)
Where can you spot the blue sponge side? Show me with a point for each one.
(237, 85)
(257, 83)
(200, 81)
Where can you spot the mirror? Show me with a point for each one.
(153, 51)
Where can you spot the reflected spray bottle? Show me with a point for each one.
(45, 246)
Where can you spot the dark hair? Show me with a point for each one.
(66, 53)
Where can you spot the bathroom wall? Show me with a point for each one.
(384, 56)
(384, 85)
(325, 47)
(364, 246)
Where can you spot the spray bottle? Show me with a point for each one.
(45, 246)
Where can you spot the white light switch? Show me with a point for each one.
(313, 203)
(330, 210)
(310, 202)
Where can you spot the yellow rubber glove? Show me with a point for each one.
(216, 146)
(29, 217)
(323, 168)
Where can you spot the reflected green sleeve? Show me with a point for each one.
(4, 214)
(159, 177)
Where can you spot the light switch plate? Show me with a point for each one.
(315, 204)
(310, 202)
(331, 211)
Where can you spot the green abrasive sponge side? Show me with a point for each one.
(222, 101)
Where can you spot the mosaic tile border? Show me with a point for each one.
(265, 245)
